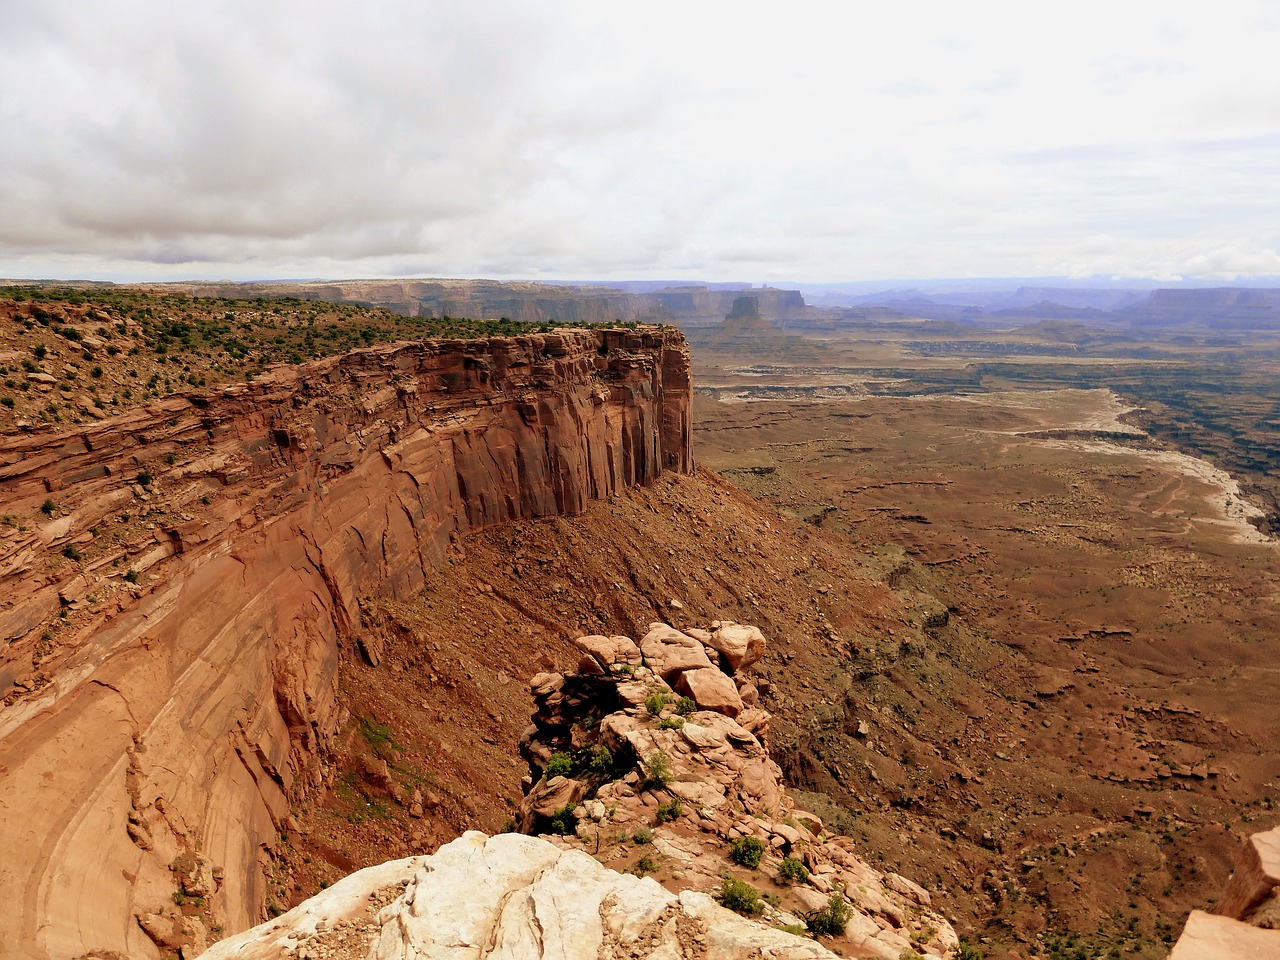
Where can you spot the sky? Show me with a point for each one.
(565, 139)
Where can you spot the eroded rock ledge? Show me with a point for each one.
(172, 614)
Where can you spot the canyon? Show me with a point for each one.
(183, 577)
(267, 632)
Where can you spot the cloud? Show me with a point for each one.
(579, 139)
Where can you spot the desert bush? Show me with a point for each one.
(739, 896)
(658, 771)
(746, 851)
(642, 835)
(560, 765)
(792, 870)
(563, 822)
(668, 811)
(831, 920)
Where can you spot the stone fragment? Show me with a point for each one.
(545, 684)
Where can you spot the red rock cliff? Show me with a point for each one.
(171, 648)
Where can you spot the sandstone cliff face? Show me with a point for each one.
(172, 619)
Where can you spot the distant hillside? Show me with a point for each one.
(1219, 308)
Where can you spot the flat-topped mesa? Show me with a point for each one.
(651, 757)
(178, 581)
(1247, 922)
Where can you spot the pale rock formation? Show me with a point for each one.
(510, 897)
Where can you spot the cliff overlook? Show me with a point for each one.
(181, 580)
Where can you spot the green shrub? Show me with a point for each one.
(792, 870)
(48, 507)
(658, 771)
(739, 896)
(560, 765)
(831, 920)
(71, 553)
(143, 478)
(131, 576)
(671, 723)
(747, 851)
(968, 951)
(655, 702)
(668, 811)
(642, 836)
(563, 822)
(685, 706)
(601, 759)
(645, 865)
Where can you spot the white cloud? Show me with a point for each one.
(575, 139)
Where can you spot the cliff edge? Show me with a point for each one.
(179, 580)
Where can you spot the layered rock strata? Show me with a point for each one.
(651, 756)
(178, 582)
(509, 897)
(1247, 924)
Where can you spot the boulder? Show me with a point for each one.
(739, 644)
(609, 651)
(547, 797)
(668, 652)
(710, 690)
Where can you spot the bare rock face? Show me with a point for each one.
(509, 897)
(622, 767)
(173, 617)
(1247, 923)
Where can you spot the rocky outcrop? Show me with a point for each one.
(1247, 923)
(509, 897)
(178, 582)
(624, 767)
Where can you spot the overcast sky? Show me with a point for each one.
(557, 139)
